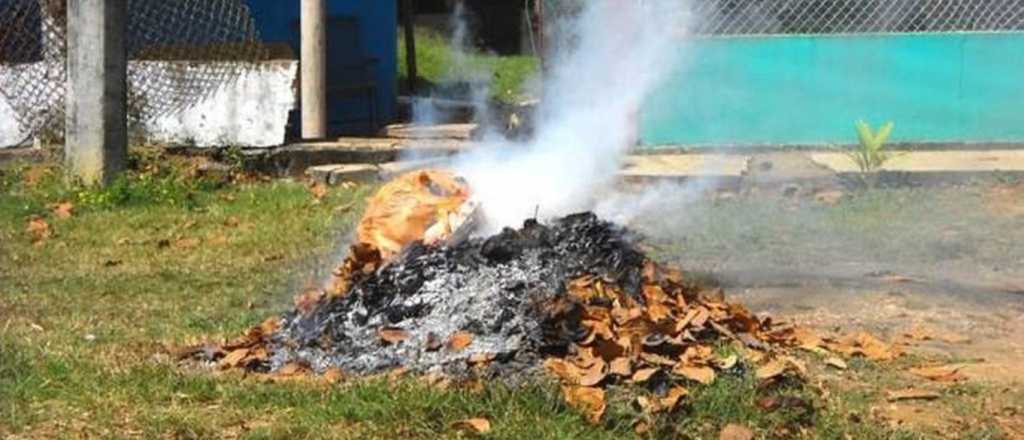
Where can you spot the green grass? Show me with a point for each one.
(85, 318)
(434, 62)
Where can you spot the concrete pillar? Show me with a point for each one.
(314, 70)
(96, 130)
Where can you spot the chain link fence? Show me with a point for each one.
(774, 17)
(745, 17)
(179, 51)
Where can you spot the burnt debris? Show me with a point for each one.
(508, 291)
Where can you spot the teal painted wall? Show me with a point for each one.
(809, 90)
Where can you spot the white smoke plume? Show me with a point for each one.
(622, 50)
(461, 69)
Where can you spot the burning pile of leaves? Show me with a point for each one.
(575, 297)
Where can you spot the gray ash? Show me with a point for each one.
(507, 290)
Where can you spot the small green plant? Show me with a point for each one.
(870, 154)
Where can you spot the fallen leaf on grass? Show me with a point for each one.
(704, 375)
(393, 335)
(836, 363)
(38, 230)
(63, 210)
(865, 344)
(477, 425)
(574, 375)
(736, 432)
(946, 373)
(671, 400)
(234, 359)
(590, 401)
(911, 394)
(459, 341)
(775, 403)
(319, 191)
(187, 243)
(771, 370)
(292, 369)
(333, 375)
(232, 221)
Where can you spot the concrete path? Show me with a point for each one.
(933, 161)
(685, 165)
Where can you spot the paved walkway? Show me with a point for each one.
(933, 161)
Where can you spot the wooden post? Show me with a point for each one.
(409, 26)
(96, 127)
(314, 70)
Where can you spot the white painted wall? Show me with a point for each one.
(250, 112)
(11, 132)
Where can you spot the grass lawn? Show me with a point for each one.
(164, 259)
(434, 61)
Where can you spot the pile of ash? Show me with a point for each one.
(575, 296)
(498, 301)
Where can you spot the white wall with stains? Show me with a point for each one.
(252, 111)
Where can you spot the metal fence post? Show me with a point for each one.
(96, 137)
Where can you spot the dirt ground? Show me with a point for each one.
(938, 268)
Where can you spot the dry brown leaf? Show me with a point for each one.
(643, 375)
(944, 373)
(794, 364)
(701, 317)
(911, 394)
(950, 338)
(307, 301)
(460, 341)
(865, 344)
(481, 358)
(334, 375)
(641, 427)
(232, 221)
(704, 375)
(187, 243)
(736, 432)
(698, 355)
(594, 375)
(671, 399)
(270, 325)
(590, 401)
(621, 367)
(234, 359)
(319, 191)
(807, 338)
(836, 363)
(38, 230)
(657, 359)
(292, 369)
(63, 210)
(477, 425)
(658, 312)
(393, 335)
(771, 370)
(564, 370)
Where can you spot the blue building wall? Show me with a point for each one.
(378, 29)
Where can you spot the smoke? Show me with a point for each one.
(465, 81)
(613, 55)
